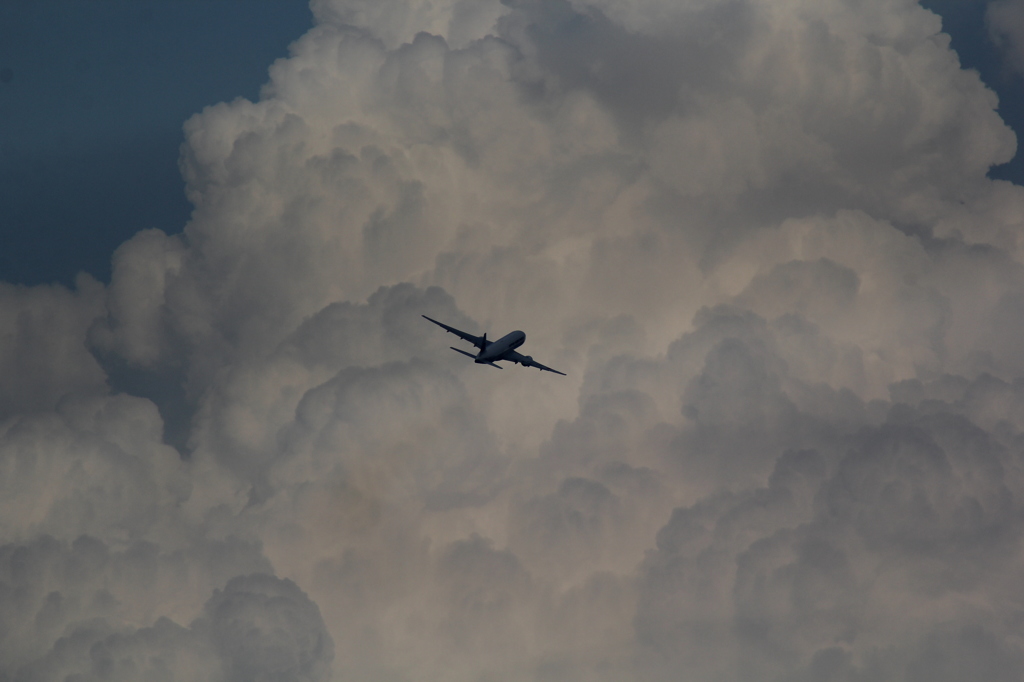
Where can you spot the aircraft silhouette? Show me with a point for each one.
(493, 351)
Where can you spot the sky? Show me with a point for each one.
(97, 90)
(775, 245)
(91, 112)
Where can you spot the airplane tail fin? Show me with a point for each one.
(484, 343)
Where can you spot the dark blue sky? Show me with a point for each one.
(964, 21)
(93, 94)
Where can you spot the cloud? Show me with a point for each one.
(1005, 20)
(758, 237)
(258, 627)
(61, 598)
(265, 628)
(42, 350)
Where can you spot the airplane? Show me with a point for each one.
(493, 351)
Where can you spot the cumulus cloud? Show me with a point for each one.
(258, 627)
(1006, 25)
(758, 236)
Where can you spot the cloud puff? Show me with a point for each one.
(758, 237)
(44, 357)
(1005, 20)
(258, 627)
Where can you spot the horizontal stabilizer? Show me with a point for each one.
(457, 350)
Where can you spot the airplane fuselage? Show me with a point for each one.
(496, 350)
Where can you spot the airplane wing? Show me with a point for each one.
(478, 341)
(527, 361)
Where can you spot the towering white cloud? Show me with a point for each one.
(759, 237)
